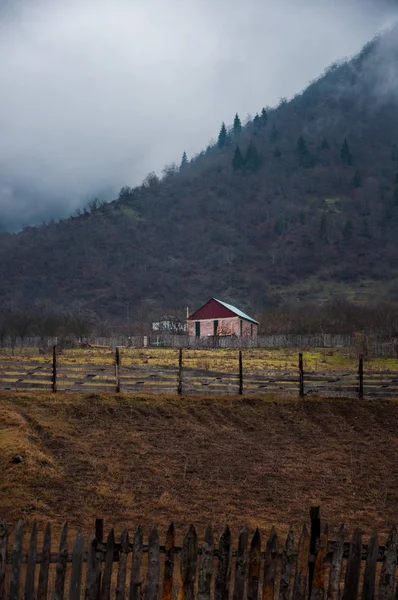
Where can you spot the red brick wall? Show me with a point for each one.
(229, 326)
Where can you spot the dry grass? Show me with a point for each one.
(226, 360)
(156, 459)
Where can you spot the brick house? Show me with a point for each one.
(219, 318)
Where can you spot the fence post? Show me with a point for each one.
(99, 530)
(301, 381)
(360, 377)
(179, 387)
(240, 374)
(54, 375)
(117, 370)
(315, 516)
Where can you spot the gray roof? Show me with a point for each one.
(236, 311)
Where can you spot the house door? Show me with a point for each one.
(215, 327)
(197, 328)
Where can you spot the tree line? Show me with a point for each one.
(337, 316)
(44, 321)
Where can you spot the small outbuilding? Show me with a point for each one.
(220, 318)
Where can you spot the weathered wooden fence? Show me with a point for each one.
(315, 568)
(372, 344)
(58, 376)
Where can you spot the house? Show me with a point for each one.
(219, 318)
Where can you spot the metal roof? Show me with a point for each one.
(236, 311)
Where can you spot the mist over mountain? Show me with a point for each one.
(95, 95)
(300, 204)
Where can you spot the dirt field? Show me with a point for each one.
(153, 460)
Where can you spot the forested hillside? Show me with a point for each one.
(300, 203)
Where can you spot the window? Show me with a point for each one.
(241, 328)
(215, 327)
(197, 328)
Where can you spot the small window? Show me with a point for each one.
(251, 329)
(241, 328)
(197, 328)
(215, 327)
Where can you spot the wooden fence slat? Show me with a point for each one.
(60, 569)
(135, 579)
(369, 578)
(221, 587)
(336, 567)
(206, 566)
(188, 562)
(315, 535)
(153, 570)
(107, 575)
(16, 562)
(286, 569)
(240, 374)
(301, 576)
(179, 385)
(241, 565)
(270, 559)
(31, 565)
(93, 570)
(42, 586)
(353, 567)
(301, 376)
(168, 573)
(386, 582)
(3, 556)
(318, 580)
(121, 575)
(254, 565)
(77, 567)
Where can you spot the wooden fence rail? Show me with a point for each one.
(101, 569)
(58, 376)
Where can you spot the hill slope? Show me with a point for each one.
(308, 216)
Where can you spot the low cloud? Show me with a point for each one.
(97, 93)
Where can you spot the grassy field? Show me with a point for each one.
(225, 360)
(155, 459)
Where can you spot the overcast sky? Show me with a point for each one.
(94, 94)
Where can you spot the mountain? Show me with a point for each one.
(305, 209)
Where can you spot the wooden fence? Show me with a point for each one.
(57, 376)
(371, 344)
(315, 568)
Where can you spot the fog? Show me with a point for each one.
(97, 93)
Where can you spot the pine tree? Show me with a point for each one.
(365, 229)
(237, 126)
(346, 155)
(302, 152)
(264, 117)
(238, 162)
(348, 231)
(184, 160)
(279, 226)
(223, 137)
(257, 122)
(357, 179)
(323, 228)
(277, 152)
(253, 159)
(325, 144)
(274, 133)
